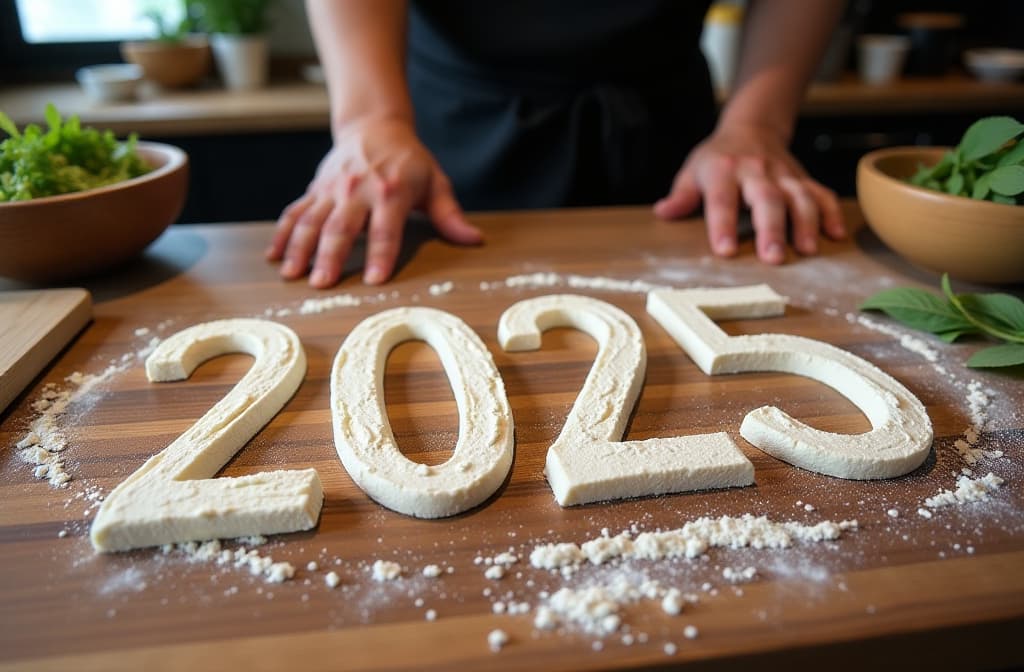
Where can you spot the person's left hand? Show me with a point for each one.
(752, 163)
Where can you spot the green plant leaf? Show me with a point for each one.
(1003, 200)
(955, 184)
(986, 136)
(1007, 180)
(8, 126)
(1007, 354)
(981, 188)
(953, 334)
(1005, 310)
(918, 309)
(1013, 157)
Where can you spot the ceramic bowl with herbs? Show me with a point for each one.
(76, 201)
(957, 210)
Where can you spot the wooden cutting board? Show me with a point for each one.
(34, 326)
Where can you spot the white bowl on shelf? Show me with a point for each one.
(995, 65)
(109, 83)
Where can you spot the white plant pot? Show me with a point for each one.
(242, 60)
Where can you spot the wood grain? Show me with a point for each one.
(34, 326)
(945, 591)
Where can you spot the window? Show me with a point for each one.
(66, 21)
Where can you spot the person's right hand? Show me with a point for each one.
(376, 173)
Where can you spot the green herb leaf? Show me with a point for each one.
(1013, 157)
(952, 335)
(1004, 310)
(8, 126)
(987, 136)
(1007, 354)
(918, 309)
(1007, 180)
(981, 188)
(955, 184)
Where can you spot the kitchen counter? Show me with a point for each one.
(900, 590)
(300, 106)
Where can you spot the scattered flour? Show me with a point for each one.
(908, 341)
(497, 639)
(385, 570)
(690, 541)
(967, 490)
(441, 288)
(240, 558)
(745, 575)
(547, 280)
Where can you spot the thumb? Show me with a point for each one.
(446, 214)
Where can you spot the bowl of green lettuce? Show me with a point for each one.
(75, 201)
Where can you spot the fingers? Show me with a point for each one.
(446, 214)
(384, 238)
(682, 199)
(721, 205)
(804, 214)
(303, 240)
(339, 233)
(285, 226)
(767, 210)
(832, 222)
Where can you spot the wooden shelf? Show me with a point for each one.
(300, 106)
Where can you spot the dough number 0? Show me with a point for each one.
(173, 496)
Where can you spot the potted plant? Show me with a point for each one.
(176, 57)
(237, 30)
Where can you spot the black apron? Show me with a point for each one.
(550, 103)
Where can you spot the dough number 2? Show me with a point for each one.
(173, 497)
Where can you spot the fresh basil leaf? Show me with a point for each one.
(955, 184)
(986, 136)
(953, 334)
(1002, 200)
(981, 188)
(1007, 354)
(918, 309)
(1013, 157)
(1005, 310)
(1007, 180)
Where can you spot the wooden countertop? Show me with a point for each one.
(898, 591)
(301, 106)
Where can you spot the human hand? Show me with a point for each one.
(376, 173)
(753, 163)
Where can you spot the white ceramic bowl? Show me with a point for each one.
(995, 65)
(109, 83)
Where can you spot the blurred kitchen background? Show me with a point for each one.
(254, 150)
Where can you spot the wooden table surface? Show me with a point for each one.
(947, 590)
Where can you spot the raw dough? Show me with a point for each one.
(587, 462)
(362, 433)
(173, 497)
(901, 434)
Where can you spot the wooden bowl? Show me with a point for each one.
(970, 239)
(170, 64)
(58, 238)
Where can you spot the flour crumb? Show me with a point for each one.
(690, 632)
(497, 639)
(312, 566)
(967, 490)
(893, 513)
(441, 288)
(739, 575)
(495, 572)
(332, 579)
(431, 571)
(430, 615)
(672, 603)
(384, 570)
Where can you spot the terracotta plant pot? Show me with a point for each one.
(170, 64)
